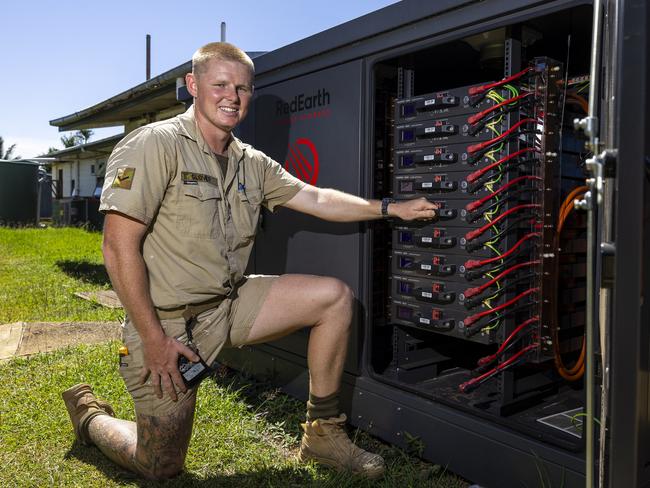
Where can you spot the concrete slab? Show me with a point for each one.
(25, 339)
(10, 338)
(105, 298)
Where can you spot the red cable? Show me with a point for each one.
(482, 145)
(470, 292)
(473, 318)
(471, 235)
(475, 90)
(476, 117)
(470, 207)
(478, 173)
(519, 328)
(499, 367)
(475, 263)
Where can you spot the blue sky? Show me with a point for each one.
(62, 56)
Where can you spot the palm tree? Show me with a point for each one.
(69, 141)
(84, 135)
(9, 153)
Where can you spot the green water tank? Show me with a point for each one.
(19, 189)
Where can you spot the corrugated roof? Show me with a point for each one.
(92, 149)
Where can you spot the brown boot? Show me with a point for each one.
(82, 406)
(326, 442)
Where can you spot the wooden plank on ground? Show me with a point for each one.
(105, 298)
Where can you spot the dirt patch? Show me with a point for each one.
(48, 336)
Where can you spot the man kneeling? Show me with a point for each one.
(182, 199)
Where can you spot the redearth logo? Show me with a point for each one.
(303, 102)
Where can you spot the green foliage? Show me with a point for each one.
(245, 434)
(82, 136)
(69, 140)
(41, 269)
(9, 152)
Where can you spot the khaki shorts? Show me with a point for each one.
(226, 325)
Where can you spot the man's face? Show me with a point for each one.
(222, 93)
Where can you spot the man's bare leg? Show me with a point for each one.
(155, 448)
(325, 304)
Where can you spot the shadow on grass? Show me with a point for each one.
(286, 477)
(263, 395)
(85, 271)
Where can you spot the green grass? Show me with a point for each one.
(245, 433)
(41, 269)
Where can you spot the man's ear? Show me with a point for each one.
(190, 82)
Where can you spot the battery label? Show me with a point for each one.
(427, 239)
(425, 266)
(193, 371)
(431, 101)
(427, 184)
(424, 320)
(427, 130)
(427, 294)
(429, 157)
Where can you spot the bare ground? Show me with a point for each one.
(47, 336)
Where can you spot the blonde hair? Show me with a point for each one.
(222, 51)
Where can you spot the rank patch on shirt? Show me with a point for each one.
(123, 178)
(194, 178)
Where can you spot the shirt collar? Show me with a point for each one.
(189, 129)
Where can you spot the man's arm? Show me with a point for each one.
(337, 206)
(127, 270)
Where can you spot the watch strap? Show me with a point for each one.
(384, 206)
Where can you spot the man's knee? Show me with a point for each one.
(338, 296)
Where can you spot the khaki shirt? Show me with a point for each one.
(201, 224)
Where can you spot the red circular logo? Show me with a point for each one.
(302, 160)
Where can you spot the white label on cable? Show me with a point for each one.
(427, 239)
(431, 101)
(427, 184)
(429, 129)
(426, 267)
(427, 294)
(424, 320)
(429, 157)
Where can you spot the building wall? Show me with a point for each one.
(83, 172)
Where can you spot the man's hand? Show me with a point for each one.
(419, 209)
(161, 364)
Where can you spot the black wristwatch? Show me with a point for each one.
(384, 206)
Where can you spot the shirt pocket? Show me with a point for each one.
(247, 213)
(199, 211)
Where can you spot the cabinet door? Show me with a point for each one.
(629, 446)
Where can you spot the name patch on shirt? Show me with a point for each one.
(194, 178)
(123, 178)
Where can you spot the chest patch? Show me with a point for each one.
(194, 178)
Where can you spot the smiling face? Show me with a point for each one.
(222, 91)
